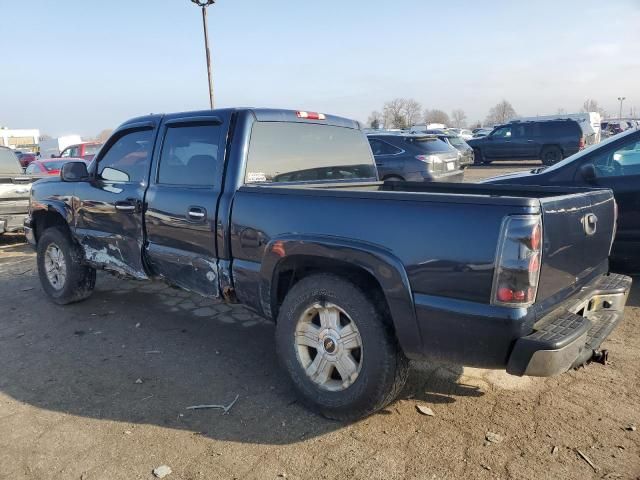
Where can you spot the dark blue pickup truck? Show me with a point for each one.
(283, 212)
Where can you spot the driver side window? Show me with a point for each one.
(504, 132)
(623, 161)
(127, 160)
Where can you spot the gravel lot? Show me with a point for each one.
(99, 390)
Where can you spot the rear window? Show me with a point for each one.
(91, 149)
(559, 128)
(430, 145)
(295, 152)
(456, 141)
(9, 162)
(57, 165)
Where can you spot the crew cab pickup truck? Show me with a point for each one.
(14, 192)
(501, 277)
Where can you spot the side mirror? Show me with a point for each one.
(74, 172)
(588, 172)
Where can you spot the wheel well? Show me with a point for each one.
(293, 269)
(44, 219)
(551, 145)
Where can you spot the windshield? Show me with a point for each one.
(91, 149)
(590, 149)
(295, 152)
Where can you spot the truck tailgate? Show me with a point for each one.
(578, 231)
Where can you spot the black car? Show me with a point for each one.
(414, 157)
(614, 164)
(457, 142)
(548, 140)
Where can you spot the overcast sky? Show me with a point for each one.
(82, 66)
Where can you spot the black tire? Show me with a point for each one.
(393, 178)
(478, 157)
(550, 155)
(79, 279)
(383, 366)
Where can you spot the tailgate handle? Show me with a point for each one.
(589, 223)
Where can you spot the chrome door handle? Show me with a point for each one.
(197, 213)
(125, 207)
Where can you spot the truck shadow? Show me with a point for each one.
(141, 354)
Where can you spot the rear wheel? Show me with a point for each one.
(478, 157)
(339, 351)
(63, 276)
(550, 155)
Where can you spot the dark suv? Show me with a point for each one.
(548, 140)
(414, 157)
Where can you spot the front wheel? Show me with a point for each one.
(339, 351)
(62, 275)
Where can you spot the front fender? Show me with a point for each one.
(380, 263)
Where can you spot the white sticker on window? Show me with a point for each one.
(256, 177)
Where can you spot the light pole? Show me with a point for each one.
(203, 4)
(621, 99)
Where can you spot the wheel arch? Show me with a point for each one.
(50, 215)
(374, 269)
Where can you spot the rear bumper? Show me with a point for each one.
(573, 333)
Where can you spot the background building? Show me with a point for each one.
(19, 138)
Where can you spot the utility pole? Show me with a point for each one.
(621, 99)
(203, 4)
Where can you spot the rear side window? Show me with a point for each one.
(295, 152)
(190, 155)
(430, 145)
(127, 160)
(91, 149)
(378, 147)
(558, 129)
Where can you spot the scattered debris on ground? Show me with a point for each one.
(492, 437)
(221, 407)
(138, 381)
(161, 471)
(425, 410)
(587, 459)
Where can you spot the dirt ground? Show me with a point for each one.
(99, 390)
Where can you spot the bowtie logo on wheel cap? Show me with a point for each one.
(329, 345)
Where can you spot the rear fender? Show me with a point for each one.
(381, 264)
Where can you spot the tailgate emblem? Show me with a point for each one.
(589, 223)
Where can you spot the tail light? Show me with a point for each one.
(433, 161)
(581, 144)
(518, 260)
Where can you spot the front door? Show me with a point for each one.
(109, 206)
(182, 199)
(499, 143)
(618, 168)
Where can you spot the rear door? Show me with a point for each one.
(109, 206)
(388, 158)
(182, 199)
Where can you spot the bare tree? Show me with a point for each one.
(104, 135)
(411, 111)
(590, 105)
(401, 113)
(436, 116)
(561, 111)
(501, 113)
(45, 136)
(375, 120)
(459, 118)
